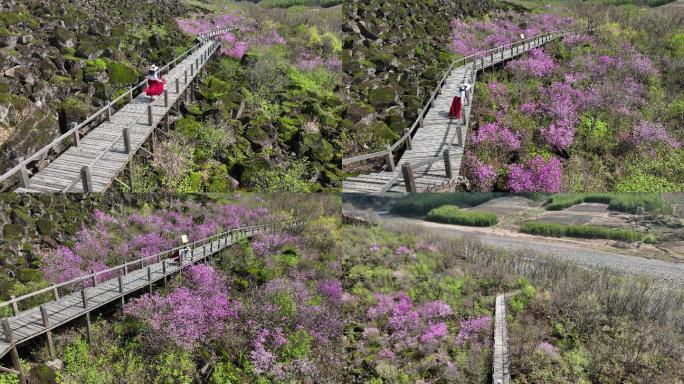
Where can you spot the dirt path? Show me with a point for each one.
(576, 251)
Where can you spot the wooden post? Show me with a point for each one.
(127, 140)
(88, 329)
(46, 324)
(15, 307)
(130, 94)
(420, 118)
(109, 112)
(186, 76)
(121, 290)
(84, 297)
(86, 179)
(23, 175)
(149, 115)
(447, 164)
(92, 272)
(409, 144)
(192, 69)
(149, 277)
(55, 293)
(125, 269)
(459, 132)
(15, 355)
(409, 180)
(177, 85)
(166, 98)
(77, 137)
(164, 270)
(390, 159)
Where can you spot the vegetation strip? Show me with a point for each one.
(582, 231)
(452, 214)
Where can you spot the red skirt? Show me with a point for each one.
(155, 87)
(455, 111)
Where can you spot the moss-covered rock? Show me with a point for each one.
(357, 111)
(13, 231)
(122, 73)
(28, 275)
(317, 147)
(45, 226)
(382, 96)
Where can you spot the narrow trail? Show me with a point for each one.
(567, 250)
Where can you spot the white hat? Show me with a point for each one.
(154, 68)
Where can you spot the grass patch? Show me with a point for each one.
(621, 202)
(451, 214)
(419, 204)
(582, 231)
(293, 3)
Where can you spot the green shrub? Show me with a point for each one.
(582, 231)
(621, 202)
(451, 214)
(419, 204)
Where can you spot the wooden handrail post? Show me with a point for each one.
(127, 140)
(46, 324)
(409, 144)
(121, 291)
(164, 270)
(149, 277)
(186, 76)
(390, 159)
(447, 164)
(409, 180)
(109, 112)
(23, 174)
(15, 355)
(86, 179)
(92, 272)
(55, 293)
(15, 307)
(192, 69)
(166, 98)
(130, 94)
(84, 296)
(420, 118)
(149, 115)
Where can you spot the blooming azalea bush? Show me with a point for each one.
(568, 112)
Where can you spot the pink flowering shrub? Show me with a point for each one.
(190, 314)
(473, 329)
(115, 240)
(537, 175)
(537, 64)
(495, 135)
(472, 36)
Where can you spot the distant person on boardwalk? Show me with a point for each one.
(155, 84)
(463, 89)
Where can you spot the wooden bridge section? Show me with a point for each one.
(500, 365)
(433, 147)
(96, 290)
(92, 161)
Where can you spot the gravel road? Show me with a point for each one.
(662, 270)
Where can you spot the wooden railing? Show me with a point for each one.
(21, 169)
(467, 60)
(92, 279)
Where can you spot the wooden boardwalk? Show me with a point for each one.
(500, 366)
(39, 320)
(94, 161)
(425, 158)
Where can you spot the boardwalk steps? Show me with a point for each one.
(92, 162)
(38, 320)
(432, 159)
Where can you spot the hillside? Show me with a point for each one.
(265, 118)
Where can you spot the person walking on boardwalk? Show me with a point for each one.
(455, 110)
(463, 89)
(155, 84)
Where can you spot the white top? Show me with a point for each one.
(153, 77)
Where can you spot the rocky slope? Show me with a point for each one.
(62, 59)
(395, 52)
